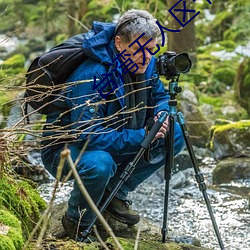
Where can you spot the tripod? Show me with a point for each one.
(173, 90)
(169, 163)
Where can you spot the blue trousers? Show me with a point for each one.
(100, 170)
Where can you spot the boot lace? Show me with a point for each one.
(127, 203)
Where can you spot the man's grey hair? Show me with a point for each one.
(135, 22)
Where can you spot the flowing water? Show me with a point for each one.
(187, 212)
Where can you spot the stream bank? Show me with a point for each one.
(188, 215)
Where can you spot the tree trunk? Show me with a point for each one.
(83, 7)
(72, 13)
(183, 41)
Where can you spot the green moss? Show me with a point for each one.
(9, 219)
(212, 100)
(128, 244)
(6, 243)
(14, 234)
(236, 125)
(22, 200)
(16, 237)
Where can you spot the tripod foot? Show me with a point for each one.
(164, 232)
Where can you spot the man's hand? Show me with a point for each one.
(164, 128)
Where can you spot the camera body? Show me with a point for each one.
(171, 65)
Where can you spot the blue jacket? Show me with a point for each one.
(90, 116)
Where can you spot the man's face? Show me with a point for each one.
(138, 57)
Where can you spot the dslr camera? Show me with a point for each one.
(171, 65)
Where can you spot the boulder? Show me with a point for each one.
(197, 125)
(150, 235)
(232, 139)
(231, 169)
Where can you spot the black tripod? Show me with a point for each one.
(173, 90)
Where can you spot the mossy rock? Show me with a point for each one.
(150, 235)
(232, 139)
(128, 244)
(221, 107)
(231, 169)
(10, 231)
(22, 200)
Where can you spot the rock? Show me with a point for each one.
(149, 238)
(181, 179)
(206, 109)
(231, 169)
(188, 95)
(227, 110)
(197, 125)
(229, 140)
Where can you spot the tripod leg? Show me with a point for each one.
(199, 177)
(168, 173)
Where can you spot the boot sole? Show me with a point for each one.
(121, 219)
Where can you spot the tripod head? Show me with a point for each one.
(174, 89)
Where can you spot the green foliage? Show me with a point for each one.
(12, 67)
(214, 101)
(242, 84)
(224, 75)
(17, 61)
(230, 22)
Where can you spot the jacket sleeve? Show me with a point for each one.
(88, 117)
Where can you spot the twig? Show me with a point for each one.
(99, 238)
(77, 21)
(66, 154)
(137, 236)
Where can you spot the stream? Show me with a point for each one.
(187, 212)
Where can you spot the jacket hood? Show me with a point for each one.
(98, 43)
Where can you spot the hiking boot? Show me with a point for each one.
(75, 231)
(121, 211)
